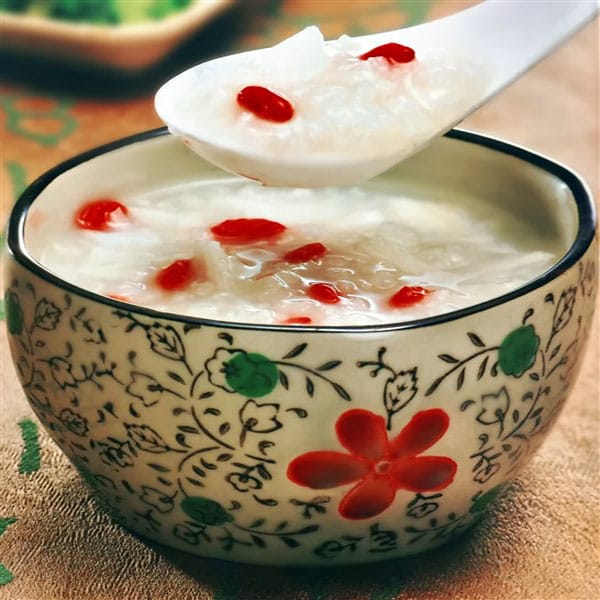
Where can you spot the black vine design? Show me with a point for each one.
(376, 541)
(208, 446)
(400, 386)
(459, 366)
(423, 505)
(157, 408)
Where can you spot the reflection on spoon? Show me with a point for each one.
(309, 113)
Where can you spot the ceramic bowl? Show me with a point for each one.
(303, 445)
(125, 48)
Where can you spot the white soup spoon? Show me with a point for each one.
(501, 39)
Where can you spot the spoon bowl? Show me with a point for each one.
(489, 45)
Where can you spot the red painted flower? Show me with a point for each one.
(377, 465)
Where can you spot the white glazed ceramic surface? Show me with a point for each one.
(289, 445)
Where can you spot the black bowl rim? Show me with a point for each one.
(583, 239)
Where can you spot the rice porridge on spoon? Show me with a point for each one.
(347, 110)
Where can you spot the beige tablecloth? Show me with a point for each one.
(539, 542)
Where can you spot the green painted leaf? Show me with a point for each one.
(518, 351)
(483, 501)
(14, 313)
(251, 374)
(205, 511)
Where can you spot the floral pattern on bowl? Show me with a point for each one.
(187, 434)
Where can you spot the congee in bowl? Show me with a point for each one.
(290, 376)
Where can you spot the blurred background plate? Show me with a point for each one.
(128, 47)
